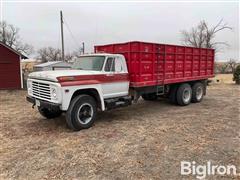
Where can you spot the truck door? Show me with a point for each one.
(116, 79)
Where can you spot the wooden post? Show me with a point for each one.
(61, 19)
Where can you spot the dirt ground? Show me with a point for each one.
(145, 141)
(223, 79)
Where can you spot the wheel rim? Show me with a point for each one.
(85, 113)
(186, 95)
(199, 93)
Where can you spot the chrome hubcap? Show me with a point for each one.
(186, 95)
(199, 93)
(85, 113)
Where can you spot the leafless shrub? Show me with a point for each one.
(232, 63)
(221, 68)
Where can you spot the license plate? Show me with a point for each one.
(37, 102)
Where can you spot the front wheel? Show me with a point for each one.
(81, 113)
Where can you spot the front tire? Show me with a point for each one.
(184, 94)
(49, 113)
(81, 113)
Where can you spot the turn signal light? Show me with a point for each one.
(66, 78)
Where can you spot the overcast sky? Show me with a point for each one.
(101, 23)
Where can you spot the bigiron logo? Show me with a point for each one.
(201, 171)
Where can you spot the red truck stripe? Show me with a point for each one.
(92, 79)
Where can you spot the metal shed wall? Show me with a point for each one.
(10, 72)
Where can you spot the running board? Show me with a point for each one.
(118, 102)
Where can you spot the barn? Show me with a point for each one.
(10, 68)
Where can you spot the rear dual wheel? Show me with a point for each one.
(184, 94)
(172, 94)
(197, 92)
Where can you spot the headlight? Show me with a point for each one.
(54, 93)
(29, 86)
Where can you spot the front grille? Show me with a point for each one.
(41, 90)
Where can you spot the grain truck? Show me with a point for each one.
(117, 75)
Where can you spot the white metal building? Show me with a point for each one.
(53, 65)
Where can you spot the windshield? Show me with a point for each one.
(94, 63)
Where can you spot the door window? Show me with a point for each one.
(110, 65)
(118, 65)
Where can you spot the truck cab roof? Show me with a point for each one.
(101, 54)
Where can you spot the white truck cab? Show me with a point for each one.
(95, 82)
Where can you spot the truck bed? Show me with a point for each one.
(151, 64)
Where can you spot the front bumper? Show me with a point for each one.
(43, 103)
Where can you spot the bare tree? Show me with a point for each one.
(195, 37)
(221, 68)
(78, 52)
(53, 54)
(69, 57)
(232, 63)
(203, 36)
(49, 54)
(9, 35)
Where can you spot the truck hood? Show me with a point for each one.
(53, 75)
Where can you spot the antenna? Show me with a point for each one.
(61, 20)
